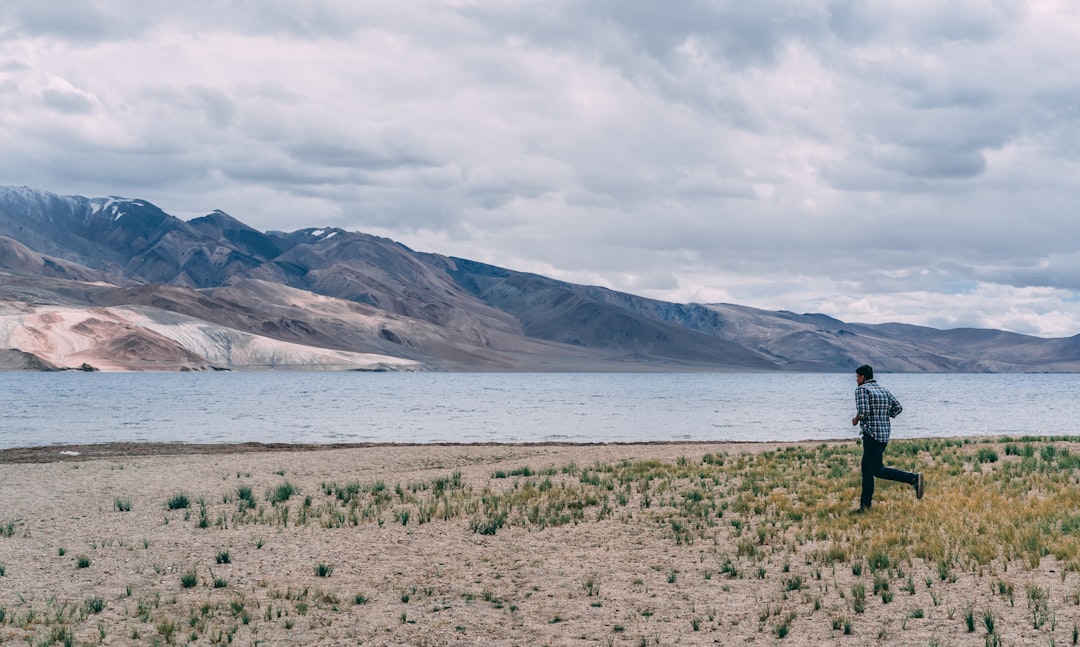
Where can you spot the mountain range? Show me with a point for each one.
(113, 283)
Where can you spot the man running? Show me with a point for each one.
(875, 405)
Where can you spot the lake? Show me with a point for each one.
(334, 407)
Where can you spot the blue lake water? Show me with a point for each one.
(323, 407)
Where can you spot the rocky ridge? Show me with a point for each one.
(118, 284)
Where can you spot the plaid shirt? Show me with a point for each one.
(875, 405)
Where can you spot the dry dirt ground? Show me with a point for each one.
(92, 554)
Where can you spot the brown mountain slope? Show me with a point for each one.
(214, 292)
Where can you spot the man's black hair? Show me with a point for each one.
(866, 371)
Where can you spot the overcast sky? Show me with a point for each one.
(880, 160)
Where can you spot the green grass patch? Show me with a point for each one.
(178, 501)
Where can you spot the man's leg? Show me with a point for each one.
(891, 473)
(871, 465)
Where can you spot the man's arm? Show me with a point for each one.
(862, 406)
(894, 406)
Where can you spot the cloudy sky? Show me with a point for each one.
(877, 160)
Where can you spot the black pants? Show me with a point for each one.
(873, 465)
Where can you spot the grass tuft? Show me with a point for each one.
(95, 604)
(178, 501)
(281, 492)
(189, 579)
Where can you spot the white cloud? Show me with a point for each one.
(913, 161)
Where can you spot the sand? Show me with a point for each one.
(621, 580)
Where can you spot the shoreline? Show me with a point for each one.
(82, 452)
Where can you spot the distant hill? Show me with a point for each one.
(118, 284)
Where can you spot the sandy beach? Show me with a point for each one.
(646, 544)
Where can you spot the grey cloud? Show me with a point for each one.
(197, 106)
(220, 110)
(921, 145)
(853, 21)
(968, 98)
(89, 22)
(939, 163)
(931, 144)
(1060, 102)
(284, 172)
(67, 101)
(75, 21)
(367, 152)
(963, 21)
(903, 171)
(12, 65)
(1057, 121)
(646, 42)
(742, 33)
(1058, 270)
(136, 173)
(493, 186)
(929, 23)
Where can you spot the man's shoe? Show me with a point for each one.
(861, 510)
(918, 486)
